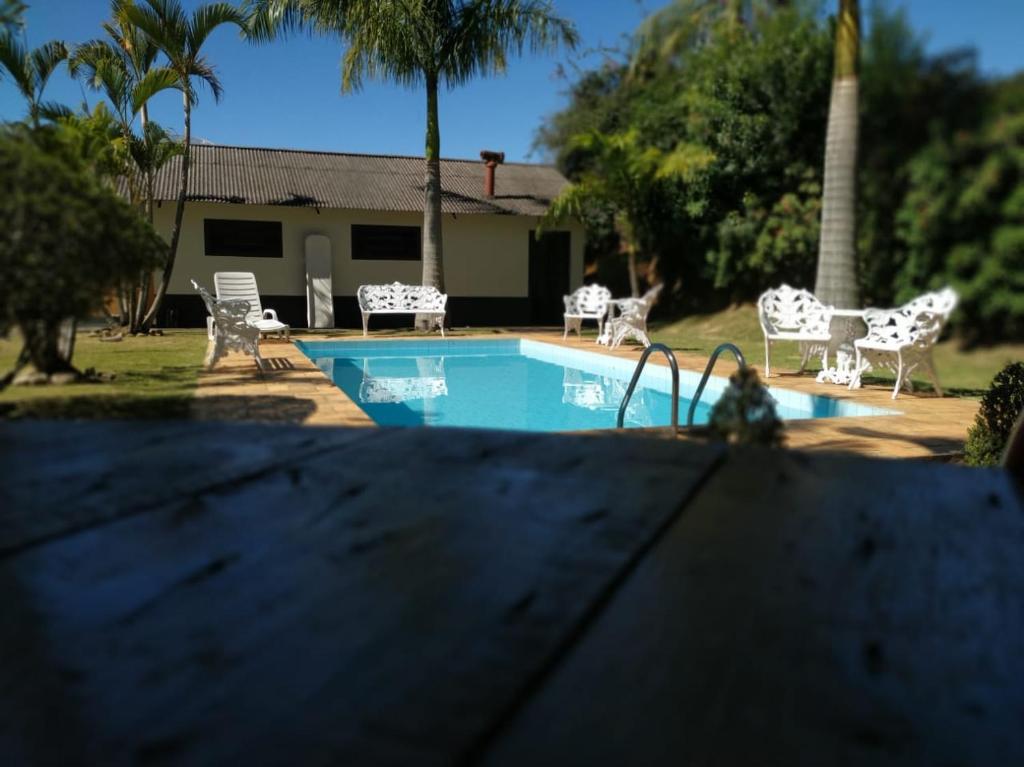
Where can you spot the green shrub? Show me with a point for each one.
(745, 413)
(67, 240)
(1000, 408)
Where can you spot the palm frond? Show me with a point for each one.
(203, 70)
(485, 31)
(14, 59)
(685, 162)
(571, 202)
(164, 23)
(11, 12)
(53, 110)
(388, 40)
(138, 47)
(152, 83)
(45, 59)
(206, 18)
(86, 57)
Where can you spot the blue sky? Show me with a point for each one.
(287, 94)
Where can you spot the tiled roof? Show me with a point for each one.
(355, 181)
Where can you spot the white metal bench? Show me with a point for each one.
(902, 339)
(788, 314)
(231, 328)
(587, 303)
(397, 298)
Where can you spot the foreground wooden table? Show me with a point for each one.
(239, 594)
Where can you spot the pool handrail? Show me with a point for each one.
(636, 377)
(741, 362)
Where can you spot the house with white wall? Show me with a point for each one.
(251, 209)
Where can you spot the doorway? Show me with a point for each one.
(549, 276)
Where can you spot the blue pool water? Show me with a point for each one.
(523, 385)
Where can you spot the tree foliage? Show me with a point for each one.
(68, 238)
(939, 181)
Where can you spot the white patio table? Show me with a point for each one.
(613, 304)
(842, 351)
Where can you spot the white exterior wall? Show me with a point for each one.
(484, 255)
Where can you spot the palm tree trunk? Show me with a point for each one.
(836, 281)
(634, 280)
(145, 276)
(179, 212)
(433, 251)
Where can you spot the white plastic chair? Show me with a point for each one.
(901, 340)
(241, 286)
(632, 319)
(231, 328)
(587, 303)
(789, 314)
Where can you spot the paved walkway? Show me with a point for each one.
(294, 390)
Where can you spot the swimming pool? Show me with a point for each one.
(521, 384)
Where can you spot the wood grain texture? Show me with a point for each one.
(804, 611)
(385, 598)
(60, 476)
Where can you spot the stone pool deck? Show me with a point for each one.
(293, 390)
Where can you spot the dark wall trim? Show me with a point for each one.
(187, 311)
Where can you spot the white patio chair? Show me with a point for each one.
(788, 314)
(901, 340)
(231, 328)
(241, 286)
(589, 302)
(631, 321)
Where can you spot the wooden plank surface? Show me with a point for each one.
(57, 477)
(804, 611)
(381, 599)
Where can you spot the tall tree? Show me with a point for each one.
(180, 37)
(836, 281)
(30, 70)
(421, 43)
(625, 176)
(123, 68)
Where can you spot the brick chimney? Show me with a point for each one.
(491, 161)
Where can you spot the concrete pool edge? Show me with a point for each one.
(800, 405)
(925, 426)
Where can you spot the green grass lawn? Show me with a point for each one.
(964, 373)
(153, 378)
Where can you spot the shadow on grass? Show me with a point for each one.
(264, 408)
(99, 407)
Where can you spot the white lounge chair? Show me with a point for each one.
(788, 314)
(231, 328)
(902, 339)
(241, 286)
(587, 303)
(631, 321)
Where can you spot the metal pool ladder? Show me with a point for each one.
(740, 362)
(636, 377)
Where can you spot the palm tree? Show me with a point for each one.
(180, 38)
(421, 43)
(124, 73)
(622, 175)
(123, 69)
(30, 71)
(836, 281)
